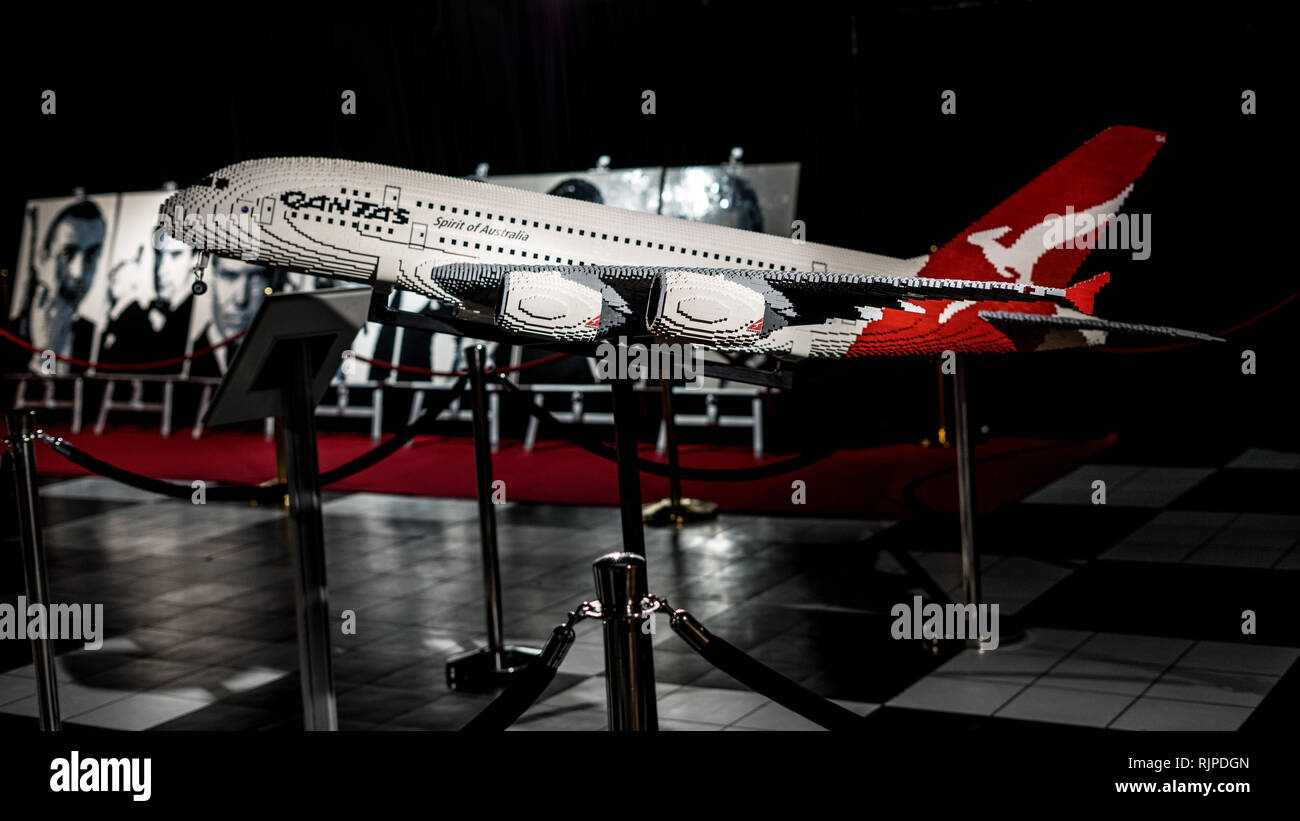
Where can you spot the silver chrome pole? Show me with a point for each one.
(22, 435)
(485, 668)
(476, 357)
(970, 569)
(629, 664)
(675, 510)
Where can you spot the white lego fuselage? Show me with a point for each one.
(539, 268)
(391, 227)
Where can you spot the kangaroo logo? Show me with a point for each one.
(1017, 261)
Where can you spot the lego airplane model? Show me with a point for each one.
(540, 269)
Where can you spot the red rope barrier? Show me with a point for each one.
(122, 366)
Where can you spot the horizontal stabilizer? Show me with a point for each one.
(1085, 293)
(1010, 321)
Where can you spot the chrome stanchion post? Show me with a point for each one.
(22, 435)
(487, 667)
(629, 663)
(621, 585)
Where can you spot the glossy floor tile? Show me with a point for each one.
(200, 629)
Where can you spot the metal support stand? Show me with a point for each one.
(966, 507)
(282, 368)
(21, 437)
(629, 663)
(486, 668)
(970, 568)
(675, 510)
(311, 595)
(281, 466)
(629, 475)
(941, 435)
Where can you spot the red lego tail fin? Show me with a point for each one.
(1040, 234)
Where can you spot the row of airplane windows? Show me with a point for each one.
(582, 232)
(463, 243)
(511, 251)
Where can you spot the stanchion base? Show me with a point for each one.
(664, 512)
(477, 671)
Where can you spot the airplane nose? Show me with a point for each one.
(167, 210)
(172, 216)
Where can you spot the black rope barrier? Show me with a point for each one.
(761, 678)
(524, 691)
(254, 493)
(598, 448)
(220, 493)
(397, 440)
(269, 492)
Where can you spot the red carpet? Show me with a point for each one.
(892, 481)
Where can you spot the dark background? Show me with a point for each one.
(850, 90)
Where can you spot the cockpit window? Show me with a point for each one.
(215, 181)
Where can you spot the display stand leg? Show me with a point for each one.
(966, 509)
(487, 667)
(941, 435)
(22, 432)
(970, 569)
(311, 593)
(675, 510)
(629, 475)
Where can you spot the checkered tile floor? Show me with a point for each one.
(1107, 680)
(1125, 615)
